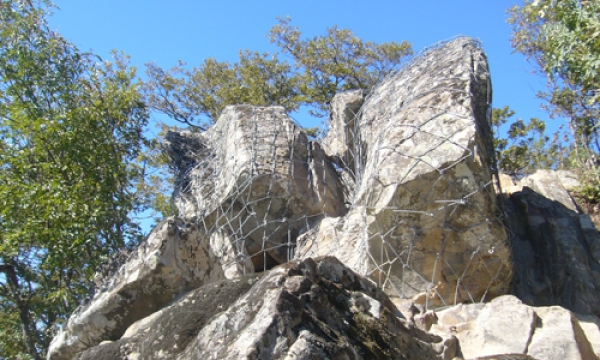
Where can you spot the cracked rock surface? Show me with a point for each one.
(175, 258)
(505, 326)
(305, 309)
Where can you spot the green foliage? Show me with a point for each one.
(526, 146)
(312, 132)
(589, 191)
(157, 183)
(193, 96)
(562, 38)
(70, 130)
(336, 61)
(320, 67)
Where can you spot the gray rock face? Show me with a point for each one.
(309, 309)
(423, 218)
(257, 180)
(317, 309)
(506, 327)
(412, 164)
(556, 248)
(167, 333)
(174, 259)
(343, 135)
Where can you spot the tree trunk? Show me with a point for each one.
(23, 309)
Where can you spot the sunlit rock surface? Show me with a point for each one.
(385, 239)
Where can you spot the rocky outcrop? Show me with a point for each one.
(363, 245)
(321, 309)
(309, 309)
(556, 247)
(423, 219)
(174, 259)
(256, 180)
(399, 189)
(505, 326)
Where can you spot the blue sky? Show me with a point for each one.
(168, 31)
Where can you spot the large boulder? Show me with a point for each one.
(556, 247)
(309, 309)
(257, 180)
(506, 326)
(321, 309)
(174, 259)
(423, 221)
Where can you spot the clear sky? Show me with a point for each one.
(168, 31)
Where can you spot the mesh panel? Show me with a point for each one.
(400, 189)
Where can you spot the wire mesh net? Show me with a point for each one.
(400, 188)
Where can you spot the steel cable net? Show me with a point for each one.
(400, 189)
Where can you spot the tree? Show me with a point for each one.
(196, 97)
(337, 61)
(70, 129)
(561, 37)
(526, 147)
(319, 68)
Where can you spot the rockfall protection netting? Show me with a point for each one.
(400, 188)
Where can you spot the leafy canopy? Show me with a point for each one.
(318, 68)
(562, 38)
(70, 127)
(335, 62)
(526, 146)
